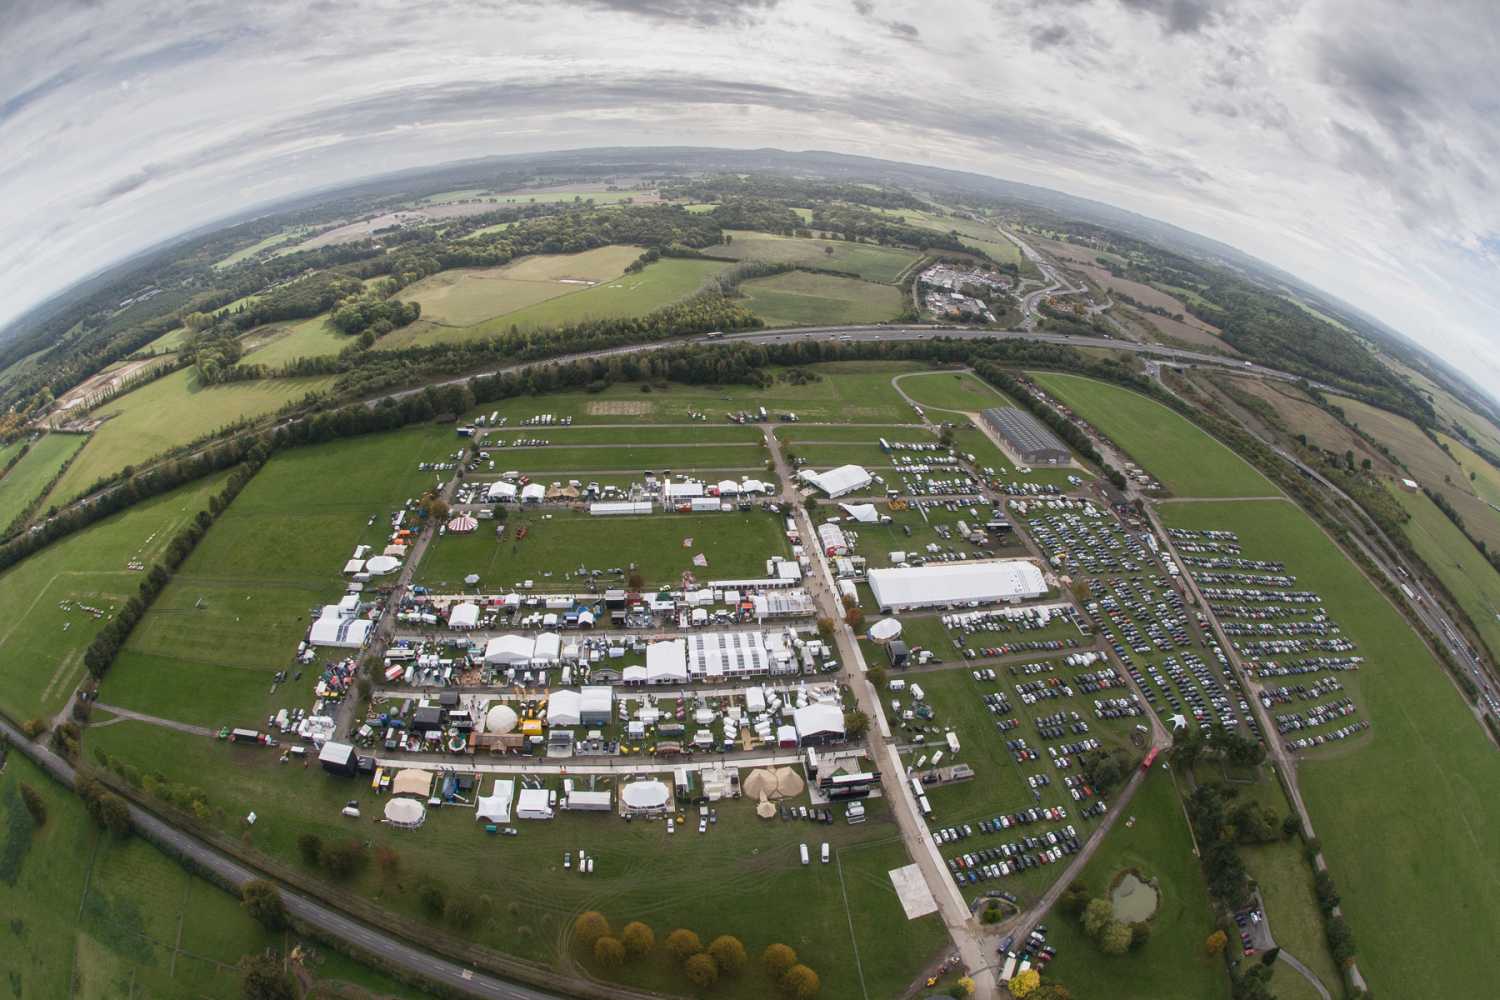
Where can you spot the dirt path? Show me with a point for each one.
(123, 714)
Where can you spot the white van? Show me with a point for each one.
(805, 859)
(824, 853)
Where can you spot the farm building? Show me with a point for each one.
(988, 581)
(1031, 442)
(837, 482)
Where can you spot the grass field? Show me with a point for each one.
(171, 411)
(463, 298)
(1484, 478)
(528, 901)
(736, 546)
(844, 392)
(1159, 439)
(311, 338)
(963, 392)
(872, 263)
(1173, 964)
(41, 644)
(1302, 416)
(660, 284)
(1466, 573)
(1422, 779)
(235, 611)
(801, 298)
(698, 433)
(106, 918)
(270, 242)
(679, 458)
(29, 476)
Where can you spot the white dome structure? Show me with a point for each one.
(500, 719)
(381, 565)
(645, 796)
(405, 812)
(885, 630)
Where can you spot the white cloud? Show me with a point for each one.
(1349, 143)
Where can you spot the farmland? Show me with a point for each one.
(173, 410)
(1464, 571)
(1427, 759)
(47, 627)
(736, 546)
(800, 298)
(310, 338)
(1159, 439)
(31, 474)
(882, 265)
(466, 297)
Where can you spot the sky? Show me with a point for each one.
(1351, 142)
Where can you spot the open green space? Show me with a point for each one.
(680, 458)
(961, 391)
(838, 392)
(462, 298)
(1159, 439)
(1173, 964)
(791, 435)
(527, 901)
(598, 196)
(31, 474)
(1463, 570)
(698, 433)
(237, 608)
(276, 239)
(1423, 777)
(659, 284)
(802, 298)
(46, 628)
(311, 338)
(872, 263)
(1483, 477)
(556, 545)
(171, 411)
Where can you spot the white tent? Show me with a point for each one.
(412, 781)
(864, 513)
(495, 807)
(837, 482)
(343, 633)
(407, 813)
(596, 703)
(500, 719)
(986, 581)
(729, 488)
(547, 649)
(381, 565)
(464, 615)
(818, 722)
(634, 675)
(754, 486)
(534, 803)
(508, 650)
(563, 708)
(650, 796)
(666, 662)
(500, 491)
(885, 630)
(354, 566)
(533, 493)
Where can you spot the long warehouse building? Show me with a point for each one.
(1028, 437)
(988, 581)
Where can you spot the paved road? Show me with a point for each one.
(326, 920)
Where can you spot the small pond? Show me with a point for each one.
(1132, 899)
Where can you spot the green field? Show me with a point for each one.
(1423, 777)
(1483, 477)
(463, 298)
(173, 410)
(542, 197)
(1159, 440)
(1466, 573)
(311, 338)
(1173, 964)
(801, 298)
(270, 242)
(680, 458)
(528, 901)
(736, 546)
(952, 391)
(872, 263)
(660, 284)
(29, 476)
(41, 643)
(235, 611)
(695, 434)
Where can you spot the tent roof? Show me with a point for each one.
(405, 812)
(495, 806)
(953, 583)
(500, 719)
(819, 717)
(412, 781)
(464, 615)
(649, 794)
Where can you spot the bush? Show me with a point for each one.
(262, 900)
(639, 939)
(609, 952)
(728, 954)
(1115, 938)
(801, 983)
(35, 804)
(701, 970)
(777, 959)
(262, 978)
(311, 847)
(589, 927)
(432, 899)
(1025, 984)
(1140, 933)
(33, 728)
(683, 944)
(1096, 917)
(341, 860)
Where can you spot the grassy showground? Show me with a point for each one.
(660, 284)
(872, 263)
(654, 457)
(171, 411)
(465, 297)
(736, 546)
(41, 644)
(33, 472)
(1173, 964)
(1468, 576)
(1423, 779)
(843, 392)
(528, 901)
(791, 435)
(1188, 461)
(960, 391)
(699, 433)
(801, 298)
(236, 610)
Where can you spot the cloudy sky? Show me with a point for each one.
(1352, 142)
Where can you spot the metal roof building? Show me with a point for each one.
(1027, 436)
